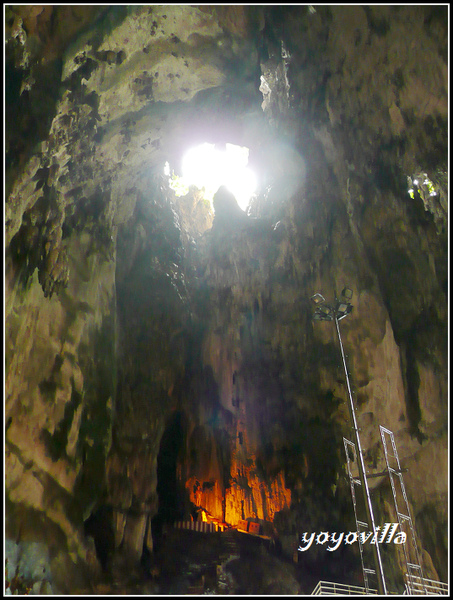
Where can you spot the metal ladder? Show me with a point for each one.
(361, 524)
(411, 555)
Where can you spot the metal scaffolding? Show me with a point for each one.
(361, 518)
(413, 564)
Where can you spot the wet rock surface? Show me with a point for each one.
(160, 358)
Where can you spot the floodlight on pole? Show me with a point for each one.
(335, 312)
(318, 299)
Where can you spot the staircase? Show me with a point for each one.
(230, 546)
(201, 560)
(230, 550)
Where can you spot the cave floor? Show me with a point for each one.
(192, 563)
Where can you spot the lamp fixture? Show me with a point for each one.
(346, 293)
(317, 299)
(343, 309)
(325, 309)
(329, 312)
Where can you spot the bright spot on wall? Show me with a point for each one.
(208, 167)
(422, 184)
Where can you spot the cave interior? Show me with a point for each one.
(162, 364)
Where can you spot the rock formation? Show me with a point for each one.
(161, 359)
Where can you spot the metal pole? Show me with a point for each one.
(368, 506)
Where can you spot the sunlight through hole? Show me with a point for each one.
(209, 167)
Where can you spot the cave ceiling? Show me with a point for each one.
(161, 357)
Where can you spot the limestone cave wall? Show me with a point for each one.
(161, 360)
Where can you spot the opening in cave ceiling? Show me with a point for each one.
(160, 362)
(209, 166)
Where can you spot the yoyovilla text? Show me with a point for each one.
(380, 536)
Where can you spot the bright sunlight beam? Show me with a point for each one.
(205, 166)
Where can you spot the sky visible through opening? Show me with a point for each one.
(206, 166)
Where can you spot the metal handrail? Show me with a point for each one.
(430, 587)
(329, 588)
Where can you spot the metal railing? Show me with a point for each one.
(428, 587)
(414, 587)
(329, 588)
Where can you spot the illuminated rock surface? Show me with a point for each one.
(162, 362)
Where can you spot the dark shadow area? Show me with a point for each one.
(171, 500)
(99, 526)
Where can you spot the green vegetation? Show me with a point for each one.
(422, 184)
(181, 188)
(178, 185)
